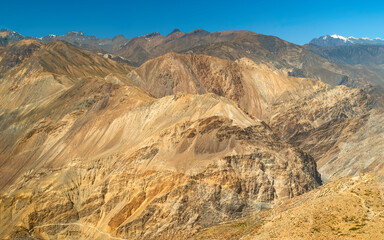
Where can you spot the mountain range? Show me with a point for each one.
(337, 40)
(198, 135)
(232, 45)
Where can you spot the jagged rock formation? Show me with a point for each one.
(322, 122)
(359, 153)
(95, 156)
(215, 170)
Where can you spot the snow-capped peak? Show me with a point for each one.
(338, 40)
(339, 37)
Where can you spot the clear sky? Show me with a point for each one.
(295, 21)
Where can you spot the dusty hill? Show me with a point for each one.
(304, 112)
(93, 155)
(359, 153)
(276, 54)
(143, 48)
(253, 86)
(92, 148)
(32, 71)
(57, 57)
(349, 208)
(120, 166)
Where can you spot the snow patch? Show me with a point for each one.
(339, 37)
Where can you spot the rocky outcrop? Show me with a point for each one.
(153, 177)
(348, 208)
(361, 152)
(322, 122)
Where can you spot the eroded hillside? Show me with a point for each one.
(102, 158)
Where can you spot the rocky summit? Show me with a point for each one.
(226, 135)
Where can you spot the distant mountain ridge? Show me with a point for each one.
(286, 57)
(337, 40)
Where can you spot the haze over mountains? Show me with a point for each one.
(190, 135)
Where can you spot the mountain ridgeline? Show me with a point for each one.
(289, 58)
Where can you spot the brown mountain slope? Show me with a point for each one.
(98, 157)
(254, 87)
(117, 168)
(93, 155)
(56, 57)
(349, 208)
(359, 153)
(306, 113)
(321, 123)
(141, 49)
(32, 71)
(293, 59)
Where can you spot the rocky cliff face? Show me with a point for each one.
(322, 122)
(361, 152)
(349, 208)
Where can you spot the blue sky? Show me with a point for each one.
(295, 21)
